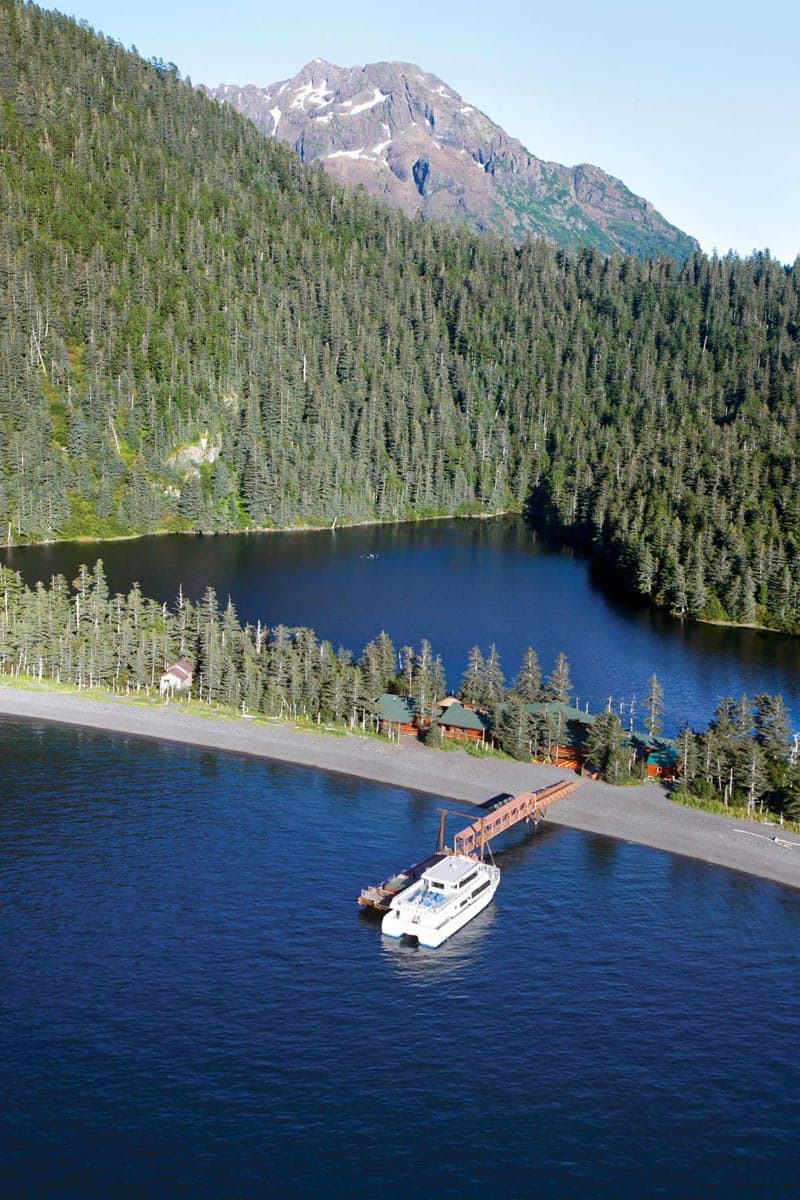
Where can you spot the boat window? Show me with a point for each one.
(440, 886)
(482, 887)
(467, 879)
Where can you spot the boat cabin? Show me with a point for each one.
(451, 874)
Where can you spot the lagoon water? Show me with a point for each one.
(458, 583)
(193, 1006)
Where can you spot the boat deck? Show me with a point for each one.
(381, 895)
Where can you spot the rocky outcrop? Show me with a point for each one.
(189, 459)
(408, 138)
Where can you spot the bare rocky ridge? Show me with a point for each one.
(409, 139)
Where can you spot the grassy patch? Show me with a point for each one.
(84, 522)
(477, 751)
(738, 811)
(447, 744)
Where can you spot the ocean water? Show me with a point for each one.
(192, 1004)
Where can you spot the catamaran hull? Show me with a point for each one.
(397, 924)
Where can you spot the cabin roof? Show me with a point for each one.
(659, 744)
(662, 758)
(450, 869)
(181, 668)
(398, 710)
(461, 718)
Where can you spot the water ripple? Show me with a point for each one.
(193, 1006)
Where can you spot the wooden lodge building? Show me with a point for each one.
(561, 733)
(562, 737)
(662, 764)
(659, 754)
(395, 715)
(455, 720)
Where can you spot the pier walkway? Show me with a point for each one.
(495, 816)
(504, 812)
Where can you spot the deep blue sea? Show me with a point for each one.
(192, 1004)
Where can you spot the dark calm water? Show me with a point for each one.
(191, 1004)
(459, 583)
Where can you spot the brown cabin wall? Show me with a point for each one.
(395, 727)
(655, 771)
(464, 735)
(562, 756)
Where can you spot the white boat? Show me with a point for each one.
(443, 899)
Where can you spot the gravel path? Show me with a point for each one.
(638, 814)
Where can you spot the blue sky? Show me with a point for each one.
(694, 105)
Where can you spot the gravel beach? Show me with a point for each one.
(637, 814)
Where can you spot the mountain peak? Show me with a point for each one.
(407, 137)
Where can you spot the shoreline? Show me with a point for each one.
(643, 815)
(87, 539)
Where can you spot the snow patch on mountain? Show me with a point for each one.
(408, 138)
(312, 94)
(377, 98)
(349, 154)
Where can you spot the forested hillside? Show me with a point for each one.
(196, 332)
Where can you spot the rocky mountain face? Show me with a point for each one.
(408, 138)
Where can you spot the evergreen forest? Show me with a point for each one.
(82, 636)
(199, 333)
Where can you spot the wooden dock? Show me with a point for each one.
(495, 816)
(527, 806)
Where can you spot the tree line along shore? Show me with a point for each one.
(198, 332)
(82, 636)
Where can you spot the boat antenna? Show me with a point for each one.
(440, 839)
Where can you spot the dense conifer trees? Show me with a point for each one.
(196, 332)
(84, 637)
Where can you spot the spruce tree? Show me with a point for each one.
(513, 729)
(654, 707)
(493, 689)
(604, 741)
(559, 683)
(528, 681)
(473, 682)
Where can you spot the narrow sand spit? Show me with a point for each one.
(638, 814)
